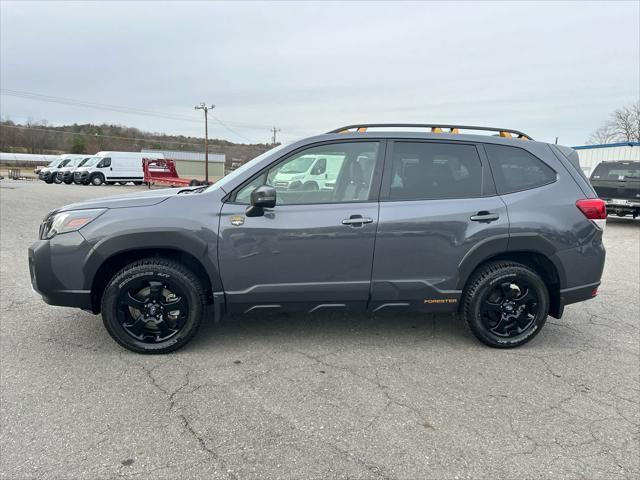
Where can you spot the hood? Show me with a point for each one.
(135, 199)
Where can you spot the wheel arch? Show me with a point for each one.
(111, 255)
(549, 270)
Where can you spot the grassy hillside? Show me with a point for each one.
(88, 138)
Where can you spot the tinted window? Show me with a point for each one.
(335, 173)
(105, 162)
(617, 171)
(422, 171)
(515, 169)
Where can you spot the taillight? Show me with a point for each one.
(595, 209)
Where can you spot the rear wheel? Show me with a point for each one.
(96, 179)
(137, 183)
(505, 304)
(153, 306)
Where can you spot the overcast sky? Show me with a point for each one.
(547, 69)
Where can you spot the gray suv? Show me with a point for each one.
(500, 228)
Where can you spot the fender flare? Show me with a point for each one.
(165, 238)
(505, 244)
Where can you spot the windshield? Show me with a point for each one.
(92, 161)
(53, 163)
(299, 165)
(240, 170)
(74, 163)
(617, 171)
(84, 161)
(64, 163)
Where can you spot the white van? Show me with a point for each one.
(112, 167)
(65, 172)
(309, 172)
(49, 173)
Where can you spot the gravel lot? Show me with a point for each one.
(315, 396)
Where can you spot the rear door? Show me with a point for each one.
(438, 208)
(314, 250)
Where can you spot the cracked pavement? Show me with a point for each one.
(315, 396)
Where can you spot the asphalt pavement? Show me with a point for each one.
(314, 396)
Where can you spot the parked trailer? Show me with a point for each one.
(163, 171)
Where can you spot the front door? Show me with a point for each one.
(314, 250)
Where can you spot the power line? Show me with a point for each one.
(122, 109)
(51, 130)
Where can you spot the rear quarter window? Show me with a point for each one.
(514, 169)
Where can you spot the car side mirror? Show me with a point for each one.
(261, 198)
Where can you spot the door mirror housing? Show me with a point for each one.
(261, 198)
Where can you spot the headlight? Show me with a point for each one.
(65, 222)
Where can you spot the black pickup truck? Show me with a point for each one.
(618, 184)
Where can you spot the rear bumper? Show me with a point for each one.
(579, 294)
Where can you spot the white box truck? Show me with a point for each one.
(113, 167)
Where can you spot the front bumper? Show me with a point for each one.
(44, 176)
(56, 270)
(81, 177)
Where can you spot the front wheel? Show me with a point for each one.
(505, 304)
(57, 180)
(97, 179)
(153, 306)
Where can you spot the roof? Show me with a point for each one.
(188, 156)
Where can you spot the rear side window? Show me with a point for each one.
(423, 171)
(515, 169)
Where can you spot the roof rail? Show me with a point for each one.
(435, 128)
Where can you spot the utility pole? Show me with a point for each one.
(274, 130)
(203, 106)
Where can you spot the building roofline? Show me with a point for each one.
(607, 145)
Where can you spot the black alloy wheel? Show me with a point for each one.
(505, 304)
(153, 305)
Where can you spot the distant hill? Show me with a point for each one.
(87, 138)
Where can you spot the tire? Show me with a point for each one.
(50, 181)
(141, 336)
(137, 183)
(194, 183)
(505, 304)
(122, 183)
(68, 182)
(96, 179)
(310, 187)
(57, 180)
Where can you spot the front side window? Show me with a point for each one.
(514, 169)
(105, 162)
(423, 171)
(334, 173)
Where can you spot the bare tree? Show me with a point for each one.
(605, 134)
(623, 126)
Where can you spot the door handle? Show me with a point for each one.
(485, 217)
(356, 220)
